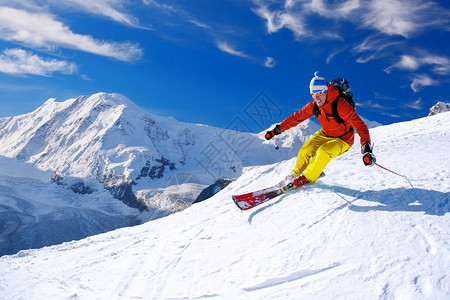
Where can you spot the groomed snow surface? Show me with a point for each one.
(358, 233)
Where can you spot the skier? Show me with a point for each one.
(332, 140)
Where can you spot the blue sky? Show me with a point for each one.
(208, 61)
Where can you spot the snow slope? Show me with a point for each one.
(358, 233)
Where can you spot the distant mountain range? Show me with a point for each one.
(106, 138)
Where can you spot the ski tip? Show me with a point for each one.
(235, 202)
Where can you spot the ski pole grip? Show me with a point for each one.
(269, 135)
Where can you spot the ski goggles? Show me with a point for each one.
(315, 94)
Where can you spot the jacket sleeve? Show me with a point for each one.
(349, 115)
(299, 116)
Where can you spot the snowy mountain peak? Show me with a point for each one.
(438, 108)
(107, 139)
(59, 134)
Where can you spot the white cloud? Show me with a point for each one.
(418, 104)
(406, 62)
(20, 62)
(405, 18)
(336, 52)
(200, 24)
(422, 80)
(375, 43)
(439, 64)
(85, 77)
(369, 104)
(390, 17)
(384, 97)
(112, 9)
(225, 47)
(269, 62)
(278, 19)
(294, 15)
(341, 10)
(40, 30)
(164, 7)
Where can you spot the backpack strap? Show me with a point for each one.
(335, 113)
(334, 109)
(316, 111)
(338, 118)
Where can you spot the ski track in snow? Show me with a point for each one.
(358, 233)
(291, 277)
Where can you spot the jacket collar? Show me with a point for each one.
(332, 93)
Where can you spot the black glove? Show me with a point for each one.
(368, 157)
(270, 134)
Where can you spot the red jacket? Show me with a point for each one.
(329, 125)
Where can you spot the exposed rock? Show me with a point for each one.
(156, 171)
(439, 107)
(213, 189)
(81, 188)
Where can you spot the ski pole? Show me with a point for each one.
(276, 146)
(395, 174)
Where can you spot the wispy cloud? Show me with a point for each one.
(439, 64)
(375, 47)
(369, 104)
(20, 62)
(42, 31)
(422, 80)
(269, 62)
(278, 19)
(389, 23)
(112, 9)
(336, 52)
(342, 9)
(405, 18)
(406, 62)
(225, 47)
(417, 105)
(200, 24)
(163, 7)
(391, 17)
(386, 113)
(296, 16)
(380, 96)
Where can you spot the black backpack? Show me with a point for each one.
(344, 91)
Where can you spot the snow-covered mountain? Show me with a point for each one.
(358, 233)
(438, 108)
(35, 213)
(61, 166)
(107, 138)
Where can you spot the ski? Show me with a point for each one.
(252, 199)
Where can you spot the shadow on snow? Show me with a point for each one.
(397, 199)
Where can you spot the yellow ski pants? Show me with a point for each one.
(316, 153)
